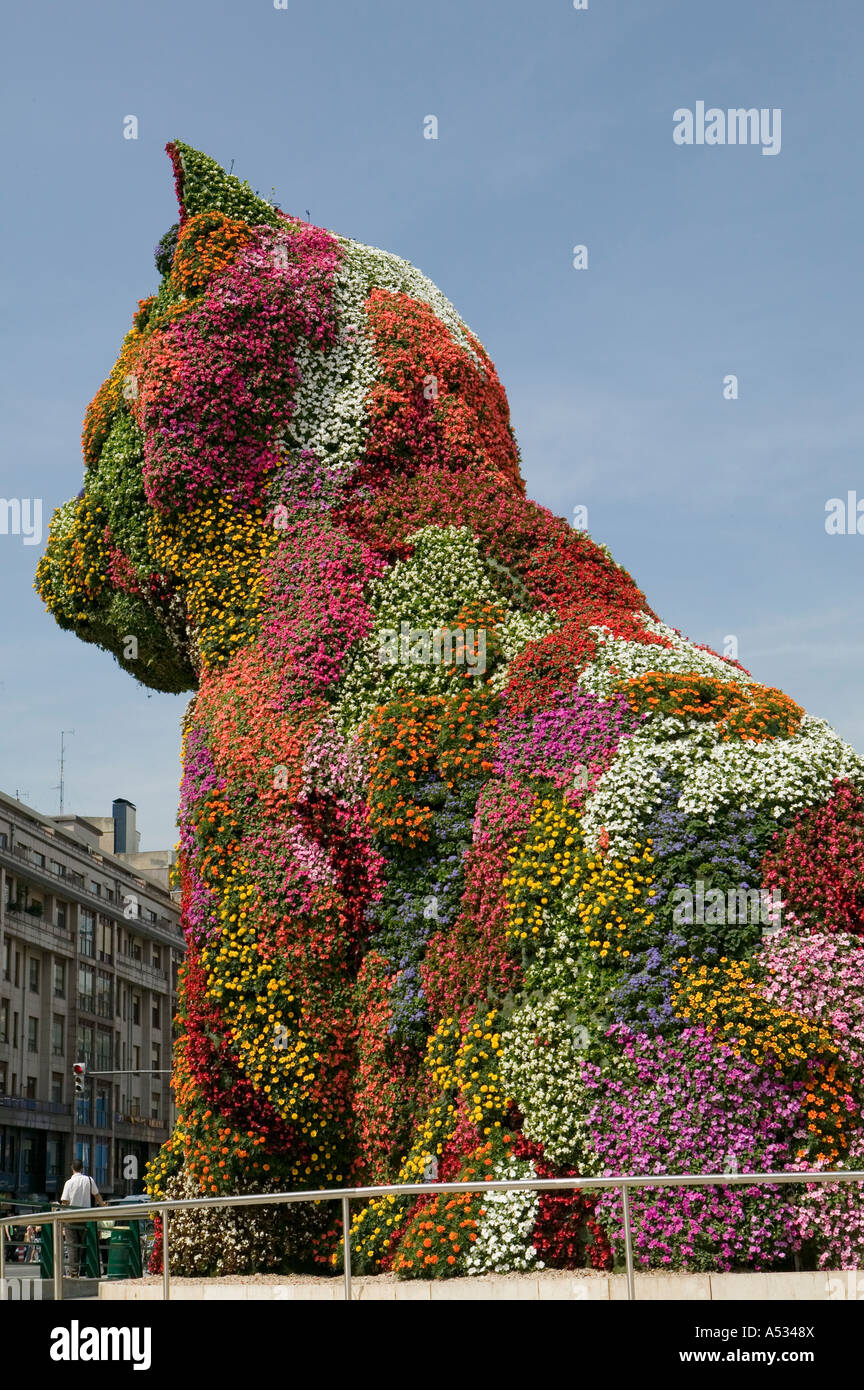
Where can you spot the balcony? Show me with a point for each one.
(141, 972)
(35, 926)
(17, 904)
(42, 1107)
(140, 1127)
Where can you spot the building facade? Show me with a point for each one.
(90, 947)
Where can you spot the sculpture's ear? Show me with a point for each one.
(203, 185)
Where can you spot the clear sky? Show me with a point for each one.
(555, 129)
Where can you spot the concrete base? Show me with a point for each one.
(550, 1285)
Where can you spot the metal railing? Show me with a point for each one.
(345, 1195)
(44, 1107)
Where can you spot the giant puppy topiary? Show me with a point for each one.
(485, 869)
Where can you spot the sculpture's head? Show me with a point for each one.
(276, 364)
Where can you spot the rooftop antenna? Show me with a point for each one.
(62, 788)
(231, 170)
(18, 796)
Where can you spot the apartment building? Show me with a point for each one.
(90, 946)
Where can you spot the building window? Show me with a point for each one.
(8, 1147)
(100, 1165)
(4, 1020)
(4, 840)
(155, 1062)
(37, 859)
(60, 916)
(102, 1103)
(157, 958)
(156, 1016)
(104, 995)
(105, 939)
(57, 1087)
(136, 1058)
(32, 1034)
(17, 969)
(154, 1106)
(59, 979)
(136, 1008)
(30, 1089)
(96, 888)
(58, 869)
(85, 1043)
(2, 1084)
(52, 1158)
(104, 1049)
(7, 961)
(83, 1107)
(86, 933)
(58, 1029)
(85, 988)
(34, 975)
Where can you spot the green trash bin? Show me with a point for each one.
(124, 1252)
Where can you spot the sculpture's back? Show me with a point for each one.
(448, 783)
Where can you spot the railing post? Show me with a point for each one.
(166, 1259)
(57, 1245)
(346, 1243)
(628, 1241)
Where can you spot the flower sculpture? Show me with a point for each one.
(475, 851)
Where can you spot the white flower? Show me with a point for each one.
(505, 1226)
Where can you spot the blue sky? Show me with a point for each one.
(555, 129)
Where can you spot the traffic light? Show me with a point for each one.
(79, 1072)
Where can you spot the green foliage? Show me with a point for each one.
(206, 186)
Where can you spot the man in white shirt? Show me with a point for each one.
(77, 1193)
